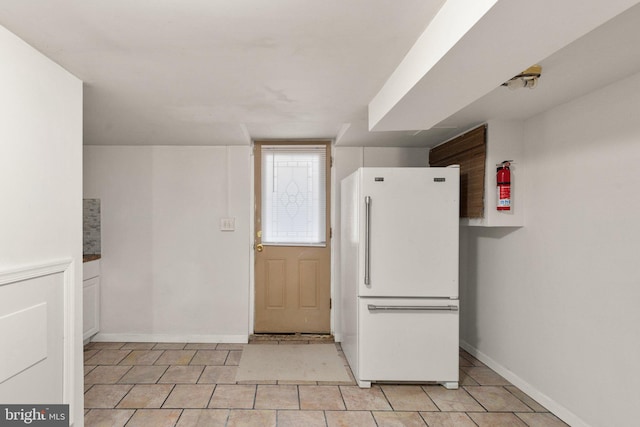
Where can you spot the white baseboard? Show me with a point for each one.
(227, 339)
(557, 409)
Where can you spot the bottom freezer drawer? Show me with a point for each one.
(408, 340)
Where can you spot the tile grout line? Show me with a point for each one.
(431, 400)
(344, 402)
(546, 411)
(520, 400)
(255, 395)
(173, 387)
(474, 398)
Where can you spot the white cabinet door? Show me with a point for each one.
(90, 269)
(408, 340)
(90, 307)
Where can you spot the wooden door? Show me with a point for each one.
(292, 237)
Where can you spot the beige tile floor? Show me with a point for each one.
(183, 385)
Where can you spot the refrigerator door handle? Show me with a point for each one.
(367, 237)
(373, 307)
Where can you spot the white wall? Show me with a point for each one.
(40, 225)
(168, 272)
(554, 305)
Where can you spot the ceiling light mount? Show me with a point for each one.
(527, 78)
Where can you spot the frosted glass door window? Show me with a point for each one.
(294, 195)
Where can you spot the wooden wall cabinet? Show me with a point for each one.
(478, 151)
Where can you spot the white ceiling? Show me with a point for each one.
(224, 72)
(605, 55)
(209, 72)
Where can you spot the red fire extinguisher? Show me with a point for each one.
(503, 178)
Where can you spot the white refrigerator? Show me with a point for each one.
(399, 274)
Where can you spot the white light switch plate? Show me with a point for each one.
(228, 224)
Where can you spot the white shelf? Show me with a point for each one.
(504, 142)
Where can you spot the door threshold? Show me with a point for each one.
(291, 338)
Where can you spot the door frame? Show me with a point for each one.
(331, 215)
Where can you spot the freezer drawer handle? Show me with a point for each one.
(373, 307)
(367, 236)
